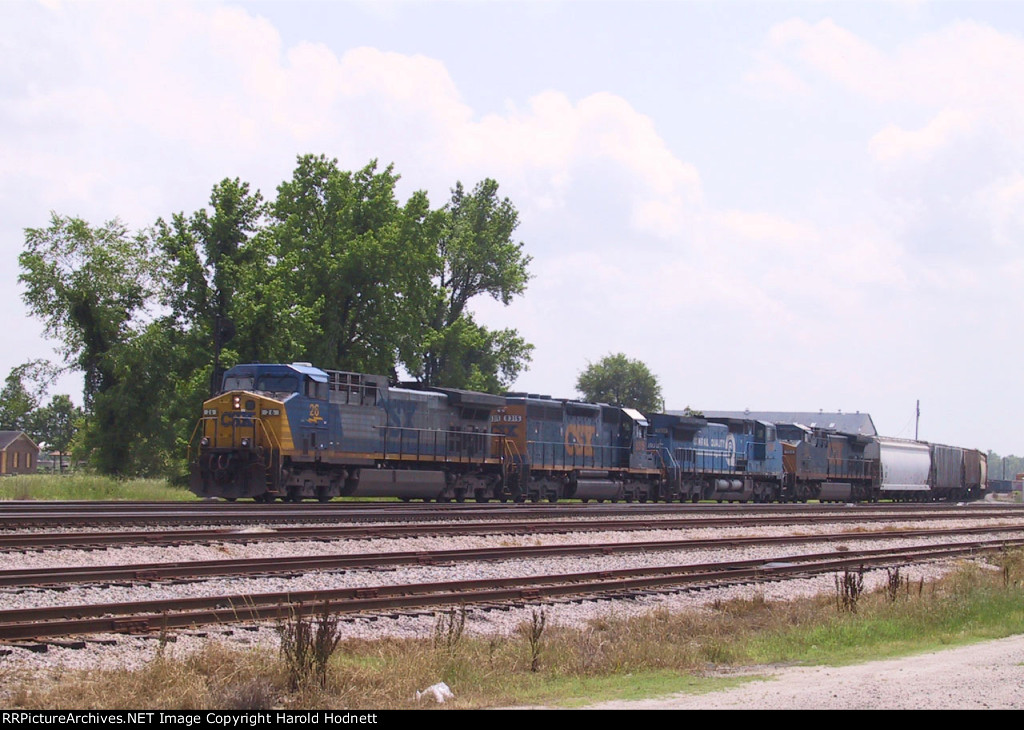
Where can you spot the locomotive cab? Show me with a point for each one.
(245, 430)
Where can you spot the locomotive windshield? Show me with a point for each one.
(277, 384)
(238, 383)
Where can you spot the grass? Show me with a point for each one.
(656, 654)
(82, 486)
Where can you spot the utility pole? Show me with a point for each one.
(917, 418)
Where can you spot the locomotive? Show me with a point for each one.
(294, 432)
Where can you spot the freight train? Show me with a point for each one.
(294, 432)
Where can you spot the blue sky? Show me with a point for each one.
(777, 206)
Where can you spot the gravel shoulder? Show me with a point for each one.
(985, 676)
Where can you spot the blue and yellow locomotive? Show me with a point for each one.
(294, 431)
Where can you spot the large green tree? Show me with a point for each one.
(476, 256)
(617, 380)
(355, 261)
(90, 287)
(210, 261)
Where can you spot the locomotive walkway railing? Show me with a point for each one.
(559, 455)
(421, 444)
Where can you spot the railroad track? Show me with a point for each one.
(22, 541)
(148, 572)
(161, 615)
(19, 515)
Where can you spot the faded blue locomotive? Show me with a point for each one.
(294, 431)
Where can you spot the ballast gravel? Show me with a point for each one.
(126, 652)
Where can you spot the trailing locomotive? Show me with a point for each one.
(293, 432)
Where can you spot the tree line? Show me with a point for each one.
(335, 270)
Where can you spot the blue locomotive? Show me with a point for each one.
(294, 432)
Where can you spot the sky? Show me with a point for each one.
(774, 205)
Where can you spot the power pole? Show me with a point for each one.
(917, 419)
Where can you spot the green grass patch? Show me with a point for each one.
(82, 486)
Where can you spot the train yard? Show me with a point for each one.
(70, 587)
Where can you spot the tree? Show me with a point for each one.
(56, 425)
(23, 390)
(90, 287)
(208, 259)
(617, 380)
(476, 358)
(476, 256)
(355, 262)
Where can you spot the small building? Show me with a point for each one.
(18, 453)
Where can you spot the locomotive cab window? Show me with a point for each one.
(278, 384)
(238, 383)
(315, 390)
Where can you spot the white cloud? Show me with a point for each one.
(829, 50)
(894, 144)
(1002, 204)
(555, 138)
(964, 64)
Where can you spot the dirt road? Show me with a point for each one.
(981, 676)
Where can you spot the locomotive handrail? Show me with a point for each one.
(469, 450)
(188, 452)
(660, 453)
(511, 448)
(600, 456)
(275, 443)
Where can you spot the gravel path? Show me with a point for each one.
(986, 676)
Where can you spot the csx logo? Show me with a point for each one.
(579, 439)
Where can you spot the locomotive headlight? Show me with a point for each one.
(245, 443)
(236, 402)
(205, 441)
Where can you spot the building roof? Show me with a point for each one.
(9, 437)
(857, 423)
